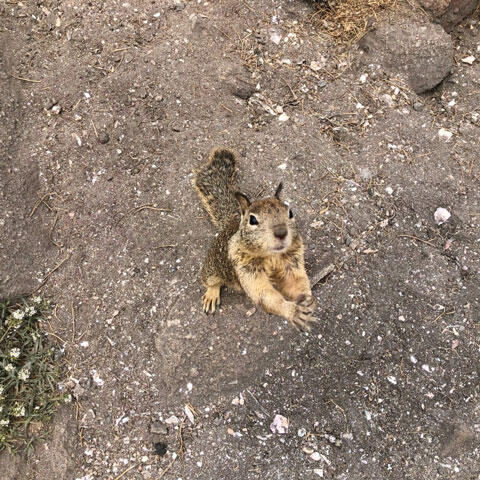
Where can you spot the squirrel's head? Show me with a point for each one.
(266, 225)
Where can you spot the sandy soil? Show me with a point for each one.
(105, 107)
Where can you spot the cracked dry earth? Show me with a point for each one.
(118, 102)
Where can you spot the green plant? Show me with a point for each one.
(29, 374)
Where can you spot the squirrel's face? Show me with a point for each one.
(266, 225)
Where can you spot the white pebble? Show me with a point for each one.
(469, 60)
(315, 456)
(392, 379)
(446, 134)
(441, 215)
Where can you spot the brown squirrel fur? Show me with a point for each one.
(258, 249)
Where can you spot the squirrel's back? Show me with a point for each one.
(214, 183)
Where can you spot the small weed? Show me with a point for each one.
(29, 374)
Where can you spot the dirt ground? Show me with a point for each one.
(108, 105)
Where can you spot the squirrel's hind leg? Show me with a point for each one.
(211, 299)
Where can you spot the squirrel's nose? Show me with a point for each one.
(280, 231)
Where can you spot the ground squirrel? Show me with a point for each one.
(258, 249)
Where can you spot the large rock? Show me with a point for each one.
(449, 12)
(421, 53)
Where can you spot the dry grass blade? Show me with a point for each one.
(348, 20)
(418, 240)
(40, 201)
(47, 276)
(147, 206)
(23, 79)
(125, 471)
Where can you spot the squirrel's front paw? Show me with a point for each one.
(211, 299)
(302, 316)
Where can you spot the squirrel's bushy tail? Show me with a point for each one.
(214, 183)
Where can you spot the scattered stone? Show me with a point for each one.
(386, 98)
(283, 117)
(160, 448)
(49, 103)
(315, 456)
(172, 420)
(88, 418)
(279, 424)
(322, 84)
(158, 428)
(418, 106)
(103, 137)
(96, 378)
(446, 134)
(441, 215)
(237, 80)
(315, 66)
(449, 12)
(56, 109)
(318, 472)
(469, 60)
(301, 432)
(178, 6)
(421, 52)
(465, 128)
(78, 391)
(275, 37)
(341, 134)
(321, 274)
(392, 379)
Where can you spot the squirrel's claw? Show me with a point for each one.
(211, 299)
(302, 322)
(303, 313)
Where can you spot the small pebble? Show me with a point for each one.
(179, 6)
(418, 106)
(50, 102)
(469, 60)
(160, 448)
(158, 428)
(103, 137)
(441, 215)
(446, 134)
(172, 420)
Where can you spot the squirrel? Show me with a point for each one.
(258, 249)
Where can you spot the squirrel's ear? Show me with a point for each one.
(243, 201)
(278, 190)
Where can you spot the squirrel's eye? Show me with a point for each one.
(253, 220)
(290, 214)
